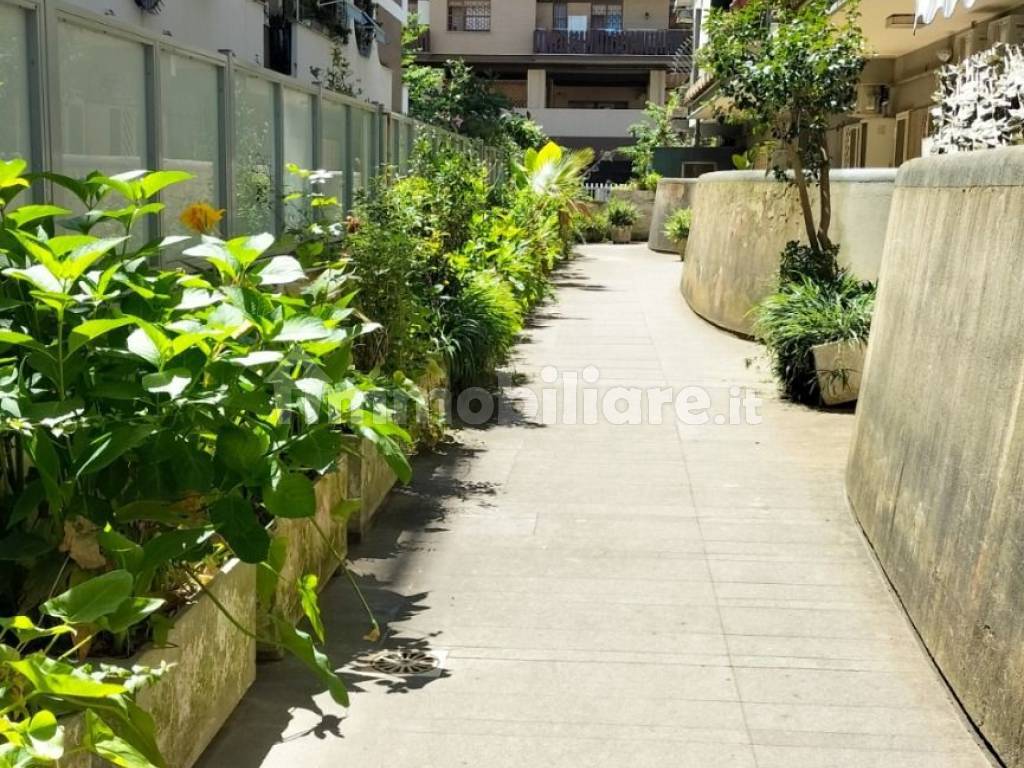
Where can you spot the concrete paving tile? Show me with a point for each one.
(821, 757)
(840, 687)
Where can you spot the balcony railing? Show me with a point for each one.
(599, 42)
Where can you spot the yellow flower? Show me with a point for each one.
(201, 218)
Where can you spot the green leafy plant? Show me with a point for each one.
(621, 213)
(592, 226)
(677, 227)
(786, 69)
(654, 130)
(807, 312)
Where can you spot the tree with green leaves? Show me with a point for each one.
(788, 68)
(654, 130)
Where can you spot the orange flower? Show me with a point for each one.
(201, 218)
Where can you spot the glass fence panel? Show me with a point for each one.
(16, 126)
(298, 147)
(103, 102)
(253, 162)
(362, 147)
(334, 148)
(191, 134)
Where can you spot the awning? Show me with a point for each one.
(927, 10)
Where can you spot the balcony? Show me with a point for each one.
(600, 42)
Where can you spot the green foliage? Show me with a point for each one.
(787, 69)
(810, 309)
(654, 130)
(481, 323)
(677, 227)
(592, 226)
(621, 213)
(152, 422)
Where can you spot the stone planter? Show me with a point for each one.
(644, 202)
(307, 552)
(370, 479)
(214, 665)
(672, 195)
(622, 235)
(839, 366)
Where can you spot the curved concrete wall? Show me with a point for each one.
(936, 471)
(743, 219)
(672, 195)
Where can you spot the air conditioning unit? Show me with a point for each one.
(1009, 30)
(872, 100)
(972, 41)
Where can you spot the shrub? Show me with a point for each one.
(480, 324)
(648, 182)
(807, 312)
(592, 226)
(621, 213)
(677, 228)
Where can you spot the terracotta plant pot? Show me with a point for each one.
(622, 235)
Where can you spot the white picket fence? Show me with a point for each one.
(599, 192)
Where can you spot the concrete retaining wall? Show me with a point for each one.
(672, 195)
(936, 472)
(742, 220)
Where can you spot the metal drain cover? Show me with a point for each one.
(405, 662)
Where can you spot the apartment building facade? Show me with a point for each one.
(583, 70)
(908, 42)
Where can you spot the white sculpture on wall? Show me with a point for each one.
(927, 10)
(980, 102)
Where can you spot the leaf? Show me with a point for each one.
(311, 604)
(19, 545)
(26, 214)
(290, 496)
(282, 270)
(235, 520)
(187, 544)
(26, 631)
(45, 737)
(55, 678)
(130, 613)
(158, 180)
(302, 328)
(106, 449)
(150, 511)
(255, 359)
(344, 510)
(123, 551)
(143, 345)
(93, 329)
(21, 339)
(92, 599)
(239, 449)
(101, 740)
(39, 276)
(197, 298)
(172, 382)
(247, 249)
(269, 572)
(317, 450)
(300, 645)
(391, 452)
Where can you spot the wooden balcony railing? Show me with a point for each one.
(598, 42)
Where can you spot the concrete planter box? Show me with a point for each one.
(307, 551)
(622, 235)
(214, 665)
(672, 195)
(370, 479)
(644, 202)
(840, 365)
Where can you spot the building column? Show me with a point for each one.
(656, 86)
(536, 89)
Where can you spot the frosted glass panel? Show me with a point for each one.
(334, 148)
(253, 162)
(103, 102)
(16, 125)
(362, 157)
(298, 146)
(190, 134)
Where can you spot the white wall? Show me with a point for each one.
(237, 25)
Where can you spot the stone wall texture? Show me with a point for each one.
(936, 471)
(742, 220)
(644, 202)
(672, 195)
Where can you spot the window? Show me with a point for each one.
(469, 15)
(560, 16)
(606, 16)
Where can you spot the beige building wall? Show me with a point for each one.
(561, 96)
(512, 26)
(645, 14)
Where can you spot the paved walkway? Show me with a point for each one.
(665, 594)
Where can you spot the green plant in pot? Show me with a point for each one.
(677, 228)
(622, 215)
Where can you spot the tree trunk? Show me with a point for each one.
(805, 198)
(825, 180)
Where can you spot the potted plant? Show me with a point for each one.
(677, 229)
(622, 216)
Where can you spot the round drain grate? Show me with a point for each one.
(404, 661)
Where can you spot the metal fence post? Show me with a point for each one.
(318, 128)
(154, 127)
(226, 140)
(277, 163)
(347, 170)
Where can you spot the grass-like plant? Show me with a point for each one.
(677, 227)
(621, 213)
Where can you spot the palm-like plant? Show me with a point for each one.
(554, 176)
